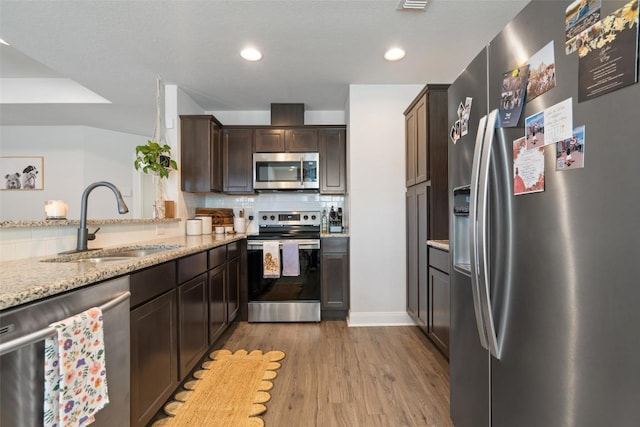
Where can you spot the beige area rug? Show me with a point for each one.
(229, 391)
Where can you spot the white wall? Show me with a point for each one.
(261, 118)
(74, 157)
(376, 154)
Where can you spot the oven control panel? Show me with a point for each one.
(279, 218)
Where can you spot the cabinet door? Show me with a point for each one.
(217, 303)
(422, 143)
(417, 281)
(233, 289)
(422, 225)
(193, 320)
(216, 158)
(335, 280)
(154, 356)
(440, 309)
(270, 140)
(333, 158)
(301, 140)
(238, 160)
(412, 253)
(201, 154)
(410, 136)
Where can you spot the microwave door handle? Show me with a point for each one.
(301, 171)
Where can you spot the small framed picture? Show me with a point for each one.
(22, 173)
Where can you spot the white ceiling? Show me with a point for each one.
(312, 50)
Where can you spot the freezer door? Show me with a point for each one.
(468, 361)
(568, 320)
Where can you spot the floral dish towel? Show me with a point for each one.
(75, 375)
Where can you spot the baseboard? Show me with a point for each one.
(384, 318)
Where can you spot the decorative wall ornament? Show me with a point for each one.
(22, 173)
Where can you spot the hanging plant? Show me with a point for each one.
(155, 158)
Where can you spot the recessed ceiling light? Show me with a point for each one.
(394, 54)
(251, 54)
(416, 5)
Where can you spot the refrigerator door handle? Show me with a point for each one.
(483, 244)
(473, 233)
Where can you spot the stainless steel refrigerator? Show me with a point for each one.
(555, 272)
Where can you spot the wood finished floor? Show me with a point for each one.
(335, 376)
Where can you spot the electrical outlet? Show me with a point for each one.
(159, 230)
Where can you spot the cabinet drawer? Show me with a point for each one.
(439, 259)
(217, 256)
(154, 281)
(335, 245)
(233, 250)
(189, 267)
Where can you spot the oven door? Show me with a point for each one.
(285, 171)
(286, 298)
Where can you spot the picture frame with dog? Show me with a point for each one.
(22, 173)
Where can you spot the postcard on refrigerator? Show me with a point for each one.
(542, 72)
(570, 152)
(513, 91)
(528, 168)
(608, 53)
(551, 125)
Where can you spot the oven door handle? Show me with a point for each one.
(256, 245)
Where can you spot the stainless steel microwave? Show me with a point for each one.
(286, 171)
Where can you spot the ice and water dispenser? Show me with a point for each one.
(461, 231)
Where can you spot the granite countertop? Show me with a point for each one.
(31, 279)
(439, 244)
(330, 235)
(65, 222)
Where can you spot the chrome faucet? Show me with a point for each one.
(83, 233)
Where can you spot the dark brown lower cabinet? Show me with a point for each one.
(154, 356)
(178, 310)
(233, 289)
(334, 277)
(417, 281)
(217, 302)
(193, 322)
(439, 299)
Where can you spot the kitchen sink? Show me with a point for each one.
(112, 255)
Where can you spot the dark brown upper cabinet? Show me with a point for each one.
(201, 154)
(426, 135)
(333, 160)
(279, 140)
(237, 154)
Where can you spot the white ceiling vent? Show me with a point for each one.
(413, 5)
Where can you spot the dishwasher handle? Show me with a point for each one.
(44, 333)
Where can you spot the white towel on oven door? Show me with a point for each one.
(271, 259)
(290, 259)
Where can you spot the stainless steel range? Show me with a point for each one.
(284, 267)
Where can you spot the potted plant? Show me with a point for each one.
(155, 158)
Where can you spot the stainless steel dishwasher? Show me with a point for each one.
(22, 334)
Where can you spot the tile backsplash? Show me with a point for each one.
(252, 204)
(30, 242)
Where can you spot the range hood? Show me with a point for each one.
(287, 114)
